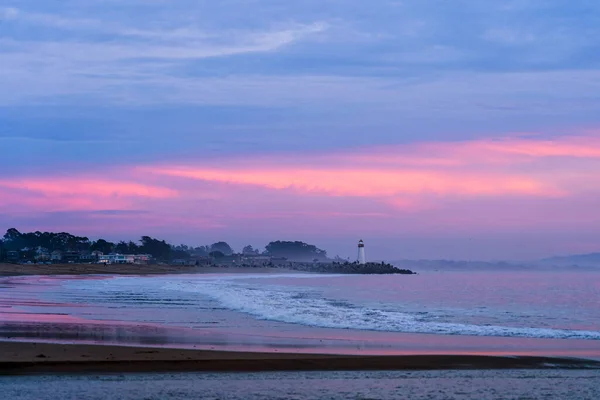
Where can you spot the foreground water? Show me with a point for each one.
(491, 312)
(482, 385)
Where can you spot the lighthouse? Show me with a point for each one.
(361, 252)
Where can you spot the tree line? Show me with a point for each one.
(28, 243)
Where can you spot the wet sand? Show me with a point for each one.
(35, 358)
(125, 269)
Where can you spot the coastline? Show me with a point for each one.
(9, 270)
(17, 358)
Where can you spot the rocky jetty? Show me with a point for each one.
(343, 268)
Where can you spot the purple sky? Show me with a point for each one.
(428, 128)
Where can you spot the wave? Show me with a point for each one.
(307, 307)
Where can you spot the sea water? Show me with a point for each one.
(550, 311)
(481, 385)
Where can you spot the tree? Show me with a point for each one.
(102, 246)
(158, 249)
(122, 247)
(179, 255)
(181, 247)
(133, 248)
(298, 251)
(181, 252)
(201, 251)
(222, 247)
(13, 240)
(2, 251)
(66, 242)
(249, 250)
(216, 254)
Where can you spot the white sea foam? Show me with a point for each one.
(307, 307)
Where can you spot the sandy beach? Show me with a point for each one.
(33, 358)
(125, 269)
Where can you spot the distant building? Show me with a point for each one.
(124, 259)
(71, 256)
(204, 261)
(86, 256)
(42, 254)
(255, 260)
(361, 252)
(97, 254)
(56, 256)
(256, 257)
(113, 259)
(13, 256)
(142, 259)
(232, 260)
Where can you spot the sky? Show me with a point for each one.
(430, 129)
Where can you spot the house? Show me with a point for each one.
(86, 256)
(112, 259)
(232, 260)
(71, 256)
(203, 261)
(56, 256)
(142, 259)
(256, 259)
(139, 259)
(13, 256)
(42, 254)
(97, 254)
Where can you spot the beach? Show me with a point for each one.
(123, 269)
(249, 320)
(27, 358)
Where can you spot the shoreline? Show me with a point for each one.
(33, 320)
(17, 270)
(19, 358)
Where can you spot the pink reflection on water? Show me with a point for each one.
(24, 321)
(6, 317)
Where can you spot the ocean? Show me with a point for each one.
(434, 385)
(542, 312)
(493, 312)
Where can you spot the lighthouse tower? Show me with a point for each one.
(361, 252)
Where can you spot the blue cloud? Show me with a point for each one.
(163, 76)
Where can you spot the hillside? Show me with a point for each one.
(582, 260)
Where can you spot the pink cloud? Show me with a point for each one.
(88, 186)
(576, 147)
(19, 200)
(470, 187)
(503, 151)
(52, 194)
(480, 168)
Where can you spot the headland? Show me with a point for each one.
(50, 253)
